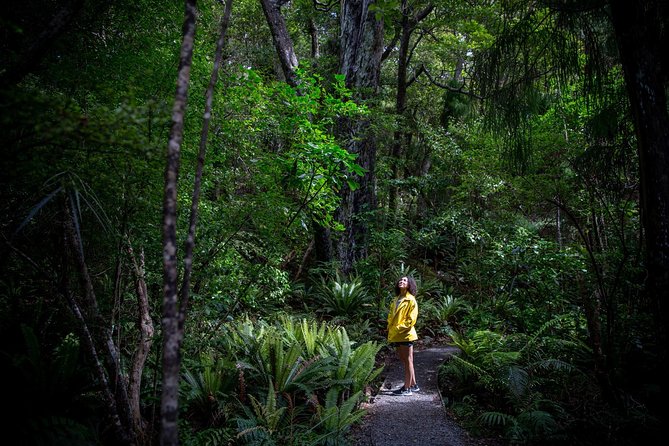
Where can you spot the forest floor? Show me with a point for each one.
(420, 418)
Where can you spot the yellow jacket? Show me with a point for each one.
(402, 320)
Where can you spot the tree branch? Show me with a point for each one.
(391, 46)
(460, 89)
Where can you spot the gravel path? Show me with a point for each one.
(418, 419)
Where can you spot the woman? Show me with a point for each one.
(402, 331)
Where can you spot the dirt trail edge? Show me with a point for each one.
(419, 418)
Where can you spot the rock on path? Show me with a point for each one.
(418, 419)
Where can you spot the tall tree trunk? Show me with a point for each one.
(281, 38)
(197, 186)
(315, 46)
(400, 104)
(360, 61)
(169, 435)
(402, 138)
(284, 48)
(642, 35)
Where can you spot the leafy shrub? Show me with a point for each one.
(299, 381)
(441, 315)
(520, 379)
(340, 297)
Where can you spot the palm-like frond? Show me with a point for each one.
(518, 381)
(335, 418)
(537, 338)
(312, 334)
(263, 420)
(205, 390)
(339, 297)
(466, 345)
(78, 194)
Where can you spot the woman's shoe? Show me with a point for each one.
(402, 391)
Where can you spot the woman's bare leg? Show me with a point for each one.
(405, 353)
(410, 377)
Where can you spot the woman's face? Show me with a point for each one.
(403, 284)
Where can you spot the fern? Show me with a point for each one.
(496, 419)
(536, 339)
(467, 346)
(205, 391)
(531, 425)
(210, 437)
(312, 335)
(342, 298)
(336, 419)
(263, 420)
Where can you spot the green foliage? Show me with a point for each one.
(442, 315)
(298, 379)
(264, 421)
(336, 418)
(526, 428)
(523, 272)
(342, 297)
(209, 437)
(310, 334)
(206, 391)
(301, 155)
(523, 377)
(355, 366)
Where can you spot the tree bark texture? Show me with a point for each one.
(642, 34)
(282, 40)
(169, 435)
(145, 328)
(401, 138)
(86, 336)
(315, 46)
(400, 104)
(361, 46)
(197, 186)
(113, 380)
(360, 61)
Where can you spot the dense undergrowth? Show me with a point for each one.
(526, 241)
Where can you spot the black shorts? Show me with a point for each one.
(407, 343)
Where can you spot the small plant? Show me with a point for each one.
(355, 366)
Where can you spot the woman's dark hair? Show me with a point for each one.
(412, 288)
